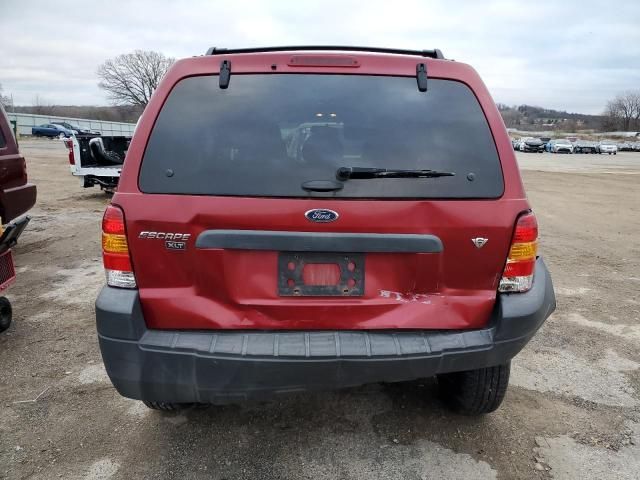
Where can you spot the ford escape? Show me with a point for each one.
(303, 218)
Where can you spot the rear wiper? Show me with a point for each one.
(361, 173)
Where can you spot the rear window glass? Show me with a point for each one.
(267, 134)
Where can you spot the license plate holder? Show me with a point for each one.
(290, 274)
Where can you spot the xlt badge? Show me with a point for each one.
(172, 245)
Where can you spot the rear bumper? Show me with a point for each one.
(16, 201)
(227, 366)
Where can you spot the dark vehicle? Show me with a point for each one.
(582, 146)
(626, 147)
(376, 247)
(17, 196)
(532, 145)
(75, 129)
(51, 130)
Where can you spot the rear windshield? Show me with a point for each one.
(268, 134)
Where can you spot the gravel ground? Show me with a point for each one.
(572, 410)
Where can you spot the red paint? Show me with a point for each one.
(233, 289)
(321, 274)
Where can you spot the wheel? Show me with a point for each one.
(615, 153)
(6, 313)
(475, 392)
(61, 136)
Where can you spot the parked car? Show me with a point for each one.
(75, 129)
(51, 130)
(583, 146)
(606, 146)
(545, 141)
(97, 159)
(531, 144)
(17, 196)
(560, 146)
(238, 269)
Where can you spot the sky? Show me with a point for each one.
(569, 55)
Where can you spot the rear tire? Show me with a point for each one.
(6, 313)
(475, 392)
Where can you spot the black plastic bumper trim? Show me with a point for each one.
(318, 241)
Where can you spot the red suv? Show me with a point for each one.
(299, 218)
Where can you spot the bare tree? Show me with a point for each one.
(623, 111)
(42, 106)
(131, 78)
(5, 100)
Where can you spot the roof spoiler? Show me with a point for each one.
(434, 53)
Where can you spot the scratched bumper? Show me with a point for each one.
(228, 366)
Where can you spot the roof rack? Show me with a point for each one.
(434, 53)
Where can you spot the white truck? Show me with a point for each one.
(97, 159)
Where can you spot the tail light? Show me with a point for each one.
(518, 272)
(68, 142)
(115, 250)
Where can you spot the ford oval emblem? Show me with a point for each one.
(320, 215)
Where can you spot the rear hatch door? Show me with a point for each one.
(242, 223)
